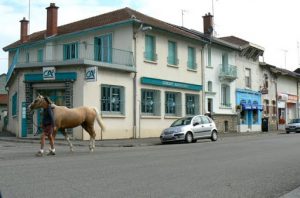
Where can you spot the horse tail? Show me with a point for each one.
(99, 120)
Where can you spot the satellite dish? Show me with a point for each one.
(210, 29)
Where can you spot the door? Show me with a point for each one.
(197, 128)
(56, 95)
(206, 126)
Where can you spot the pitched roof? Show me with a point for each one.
(120, 15)
(235, 40)
(3, 99)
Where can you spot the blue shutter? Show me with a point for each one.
(150, 48)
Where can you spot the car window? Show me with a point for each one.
(197, 119)
(205, 120)
(182, 121)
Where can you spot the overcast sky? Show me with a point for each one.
(272, 24)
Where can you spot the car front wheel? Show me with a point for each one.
(214, 136)
(189, 137)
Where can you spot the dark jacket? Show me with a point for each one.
(48, 117)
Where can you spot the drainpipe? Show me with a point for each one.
(203, 78)
(297, 104)
(276, 95)
(134, 87)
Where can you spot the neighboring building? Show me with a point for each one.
(142, 73)
(220, 74)
(3, 102)
(248, 96)
(287, 89)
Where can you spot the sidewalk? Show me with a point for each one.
(120, 142)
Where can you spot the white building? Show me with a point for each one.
(142, 73)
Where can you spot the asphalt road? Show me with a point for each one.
(243, 166)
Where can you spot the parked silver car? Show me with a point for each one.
(190, 129)
(293, 125)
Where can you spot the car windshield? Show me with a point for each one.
(182, 121)
(295, 121)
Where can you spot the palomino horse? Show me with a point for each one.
(70, 118)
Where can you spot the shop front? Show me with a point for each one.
(249, 109)
(287, 109)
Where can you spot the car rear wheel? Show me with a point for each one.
(189, 137)
(287, 132)
(214, 136)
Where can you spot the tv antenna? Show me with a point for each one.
(285, 52)
(182, 13)
(298, 47)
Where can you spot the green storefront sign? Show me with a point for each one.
(172, 84)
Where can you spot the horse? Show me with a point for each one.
(69, 118)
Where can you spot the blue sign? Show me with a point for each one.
(49, 73)
(91, 74)
(172, 84)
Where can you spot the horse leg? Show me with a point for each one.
(63, 131)
(88, 129)
(92, 133)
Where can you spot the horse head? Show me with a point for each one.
(39, 102)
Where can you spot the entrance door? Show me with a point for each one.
(56, 95)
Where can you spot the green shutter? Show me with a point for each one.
(65, 52)
(40, 55)
(209, 56)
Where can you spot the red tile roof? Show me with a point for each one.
(3, 99)
(120, 15)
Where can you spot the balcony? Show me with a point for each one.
(228, 73)
(84, 54)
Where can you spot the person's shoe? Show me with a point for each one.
(39, 154)
(51, 153)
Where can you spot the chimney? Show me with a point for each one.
(208, 24)
(24, 30)
(51, 20)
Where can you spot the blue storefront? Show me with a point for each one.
(250, 108)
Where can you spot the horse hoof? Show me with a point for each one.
(71, 149)
(91, 150)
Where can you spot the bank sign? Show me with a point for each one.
(91, 74)
(49, 73)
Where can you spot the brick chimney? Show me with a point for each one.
(51, 20)
(208, 24)
(24, 30)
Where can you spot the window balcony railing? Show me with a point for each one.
(84, 52)
(228, 72)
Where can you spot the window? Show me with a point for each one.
(224, 62)
(192, 58)
(209, 56)
(225, 95)
(70, 51)
(210, 105)
(243, 117)
(191, 104)
(248, 78)
(40, 55)
(266, 79)
(209, 86)
(205, 120)
(266, 107)
(27, 57)
(150, 102)
(103, 48)
(173, 103)
(14, 105)
(274, 107)
(150, 54)
(112, 99)
(172, 53)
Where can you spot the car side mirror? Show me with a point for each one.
(196, 123)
